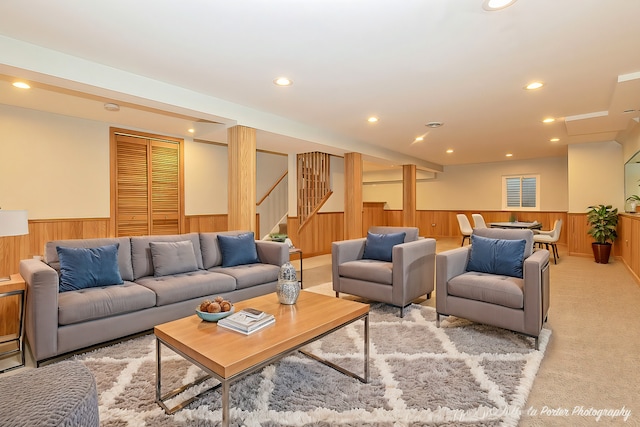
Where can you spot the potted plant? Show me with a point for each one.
(632, 203)
(603, 222)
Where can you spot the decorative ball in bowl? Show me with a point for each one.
(213, 317)
(214, 310)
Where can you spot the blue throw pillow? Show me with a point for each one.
(82, 268)
(496, 256)
(380, 246)
(238, 250)
(481, 254)
(509, 257)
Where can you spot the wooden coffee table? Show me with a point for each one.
(228, 356)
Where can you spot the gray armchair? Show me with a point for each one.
(409, 274)
(517, 304)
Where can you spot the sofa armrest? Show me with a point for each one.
(276, 253)
(41, 319)
(536, 289)
(413, 266)
(344, 251)
(449, 264)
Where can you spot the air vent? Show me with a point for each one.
(434, 124)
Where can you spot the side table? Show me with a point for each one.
(14, 286)
(298, 251)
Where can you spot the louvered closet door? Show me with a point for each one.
(165, 182)
(148, 186)
(132, 186)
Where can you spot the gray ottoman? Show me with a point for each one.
(63, 394)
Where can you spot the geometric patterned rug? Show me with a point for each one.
(459, 374)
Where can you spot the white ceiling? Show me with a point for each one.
(407, 62)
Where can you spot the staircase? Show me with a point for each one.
(314, 184)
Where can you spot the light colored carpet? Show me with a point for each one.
(589, 375)
(459, 374)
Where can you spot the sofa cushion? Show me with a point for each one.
(142, 260)
(496, 256)
(124, 252)
(238, 250)
(185, 286)
(96, 303)
(380, 246)
(250, 274)
(173, 257)
(368, 270)
(491, 288)
(82, 268)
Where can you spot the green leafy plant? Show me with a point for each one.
(603, 220)
(635, 197)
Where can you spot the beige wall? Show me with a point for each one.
(477, 186)
(630, 141)
(52, 165)
(205, 178)
(59, 167)
(270, 168)
(336, 201)
(596, 176)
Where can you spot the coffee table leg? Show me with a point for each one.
(225, 403)
(366, 349)
(158, 373)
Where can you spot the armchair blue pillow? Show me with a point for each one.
(238, 250)
(496, 256)
(82, 268)
(380, 246)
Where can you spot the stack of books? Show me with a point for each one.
(247, 321)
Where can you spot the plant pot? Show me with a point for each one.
(601, 252)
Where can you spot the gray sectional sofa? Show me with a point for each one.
(60, 322)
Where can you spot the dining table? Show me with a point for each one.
(535, 225)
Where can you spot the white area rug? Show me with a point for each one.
(460, 374)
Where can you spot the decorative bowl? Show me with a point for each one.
(214, 317)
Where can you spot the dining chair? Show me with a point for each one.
(465, 227)
(549, 238)
(478, 221)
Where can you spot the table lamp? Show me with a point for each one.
(13, 223)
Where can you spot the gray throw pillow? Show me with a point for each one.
(172, 257)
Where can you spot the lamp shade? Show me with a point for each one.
(13, 223)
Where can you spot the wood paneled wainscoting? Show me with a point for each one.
(15, 248)
(627, 244)
(316, 236)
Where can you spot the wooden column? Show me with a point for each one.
(409, 195)
(352, 195)
(242, 178)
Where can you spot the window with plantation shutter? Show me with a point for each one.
(521, 192)
(146, 184)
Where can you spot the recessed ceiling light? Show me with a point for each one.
(449, 151)
(420, 138)
(554, 139)
(21, 85)
(372, 119)
(191, 130)
(509, 155)
(534, 85)
(549, 120)
(434, 124)
(492, 5)
(109, 106)
(283, 81)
